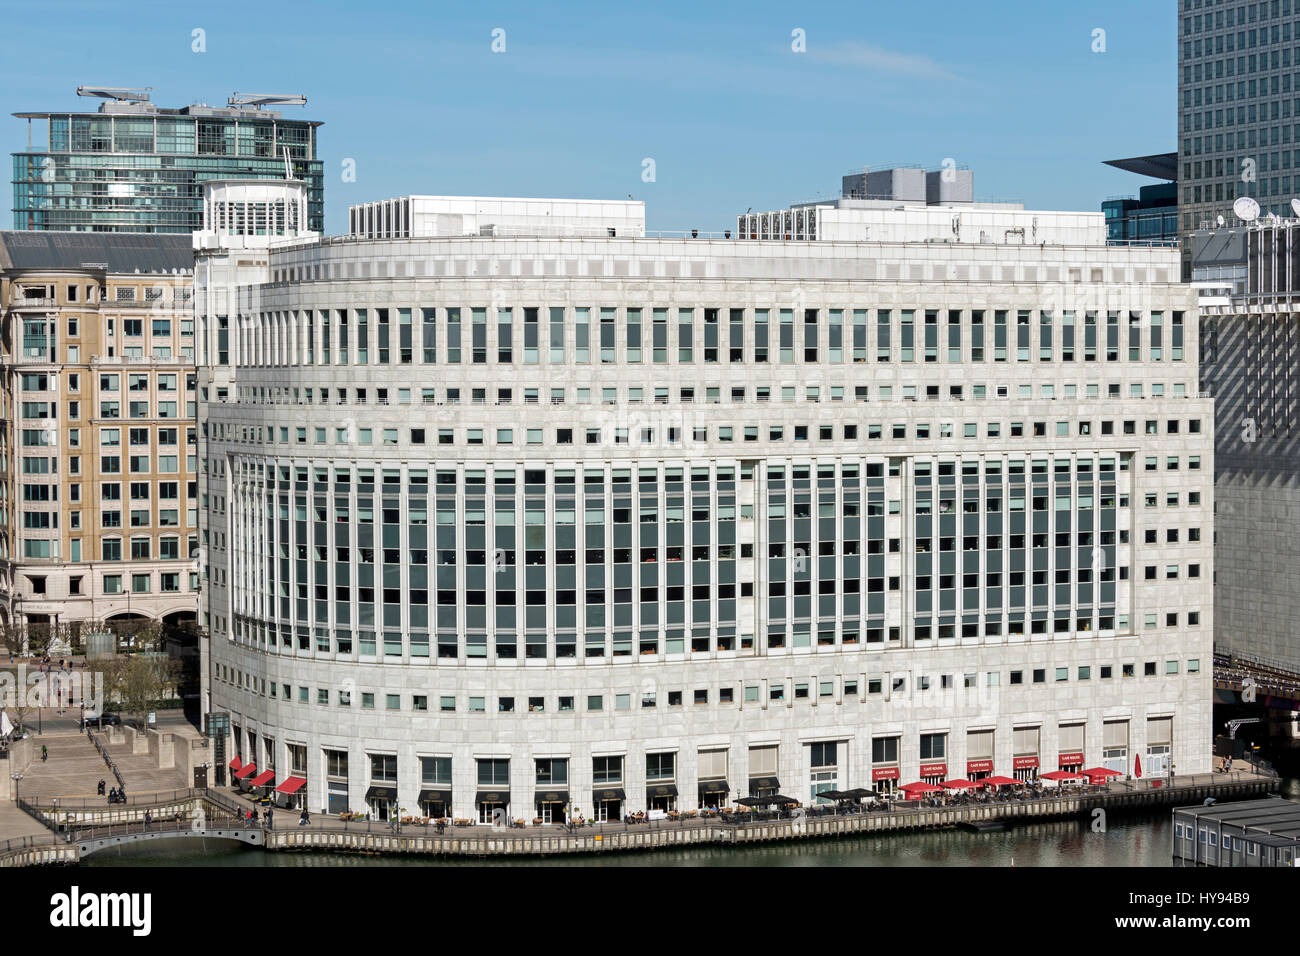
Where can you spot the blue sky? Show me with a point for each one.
(584, 92)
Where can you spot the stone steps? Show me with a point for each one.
(74, 769)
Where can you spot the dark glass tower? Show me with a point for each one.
(1238, 107)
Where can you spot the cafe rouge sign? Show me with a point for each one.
(1024, 763)
(934, 770)
(884, 773)
(979, 766)
(1066, 760)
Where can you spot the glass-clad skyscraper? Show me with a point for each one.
(133, 166)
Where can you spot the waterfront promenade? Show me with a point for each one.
(208, 814)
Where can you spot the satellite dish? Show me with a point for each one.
(1220, 220)
(1295, 206)
(1246, 209)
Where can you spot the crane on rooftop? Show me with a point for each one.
(123, 94)
(259, 100)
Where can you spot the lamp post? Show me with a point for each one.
(16, 777)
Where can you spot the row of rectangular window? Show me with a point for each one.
(751, 693)
(686, 395)
(169, 582)
(753, 335)
(537, 480)
(351, 435)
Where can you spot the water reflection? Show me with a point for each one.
(1136, 840)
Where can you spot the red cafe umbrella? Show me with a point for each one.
(1137, 765)
(1100, 772)
(999, 781)
(959, 785)
(1060, 775)
(919, 787)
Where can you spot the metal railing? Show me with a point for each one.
(1045, 800)
(19, 844)
(1280, 667)
(232, 816)
(140, 800)
(1258, 764)
(35, 814)
(222, 802)
(184, 824)
(108, 760)
(1150, 243)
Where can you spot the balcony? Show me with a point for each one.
(36, 355)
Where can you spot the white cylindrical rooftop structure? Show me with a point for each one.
(255, 207)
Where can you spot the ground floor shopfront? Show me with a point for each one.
(828, 768)
(636, 743)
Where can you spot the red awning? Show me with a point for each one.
(959, 785)
(246, 771)
(999, 782)
(236, 763)
(1101, 772)
(263, 778)
(920, 787)
(1061, 775)
(291, 785)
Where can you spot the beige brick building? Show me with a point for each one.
(97, 438)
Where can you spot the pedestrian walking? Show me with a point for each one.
(304, 818)
(148, 819)
(269, 820)
(45, 752)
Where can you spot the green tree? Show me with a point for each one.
(139, 681)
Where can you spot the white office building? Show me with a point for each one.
(527, 522)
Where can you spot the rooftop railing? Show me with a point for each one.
(733, 235)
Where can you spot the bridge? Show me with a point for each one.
(80, 827)
(93, 839)
(1245, 680)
